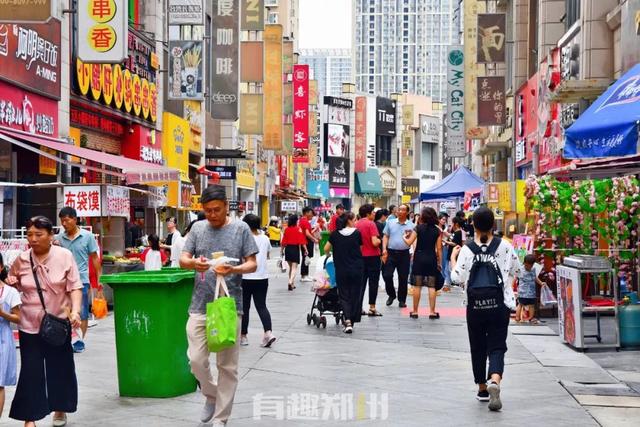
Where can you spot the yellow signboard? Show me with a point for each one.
(504, 196)
(471, 69)
(521, 188)
(47, 166)
(272, 126)
(176, 140)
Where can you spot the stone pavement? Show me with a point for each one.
(420, 367)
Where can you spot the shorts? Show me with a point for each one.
(527, 301)
(84, 311)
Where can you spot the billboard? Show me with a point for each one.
(385, 116)
(336, 140)
(225, 68)
(102, 31)
(339, 172)
(186, 72)
(301, 107)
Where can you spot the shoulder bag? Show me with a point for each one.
(54, 330)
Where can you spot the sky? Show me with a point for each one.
(325, 24)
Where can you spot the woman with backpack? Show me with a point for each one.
(487, 265)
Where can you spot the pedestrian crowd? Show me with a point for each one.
(46, 290)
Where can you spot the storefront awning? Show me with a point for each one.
(609, 127)
(132, 171)
(368, 182)
(573, 91)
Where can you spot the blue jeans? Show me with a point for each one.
(445, 266)
(84, 311)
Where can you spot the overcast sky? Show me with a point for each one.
(325, 24)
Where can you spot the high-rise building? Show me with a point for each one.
(401, 45)
(330, 67)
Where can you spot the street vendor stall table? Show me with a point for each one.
(586, 286)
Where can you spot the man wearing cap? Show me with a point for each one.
(218, 233)
(172, 243)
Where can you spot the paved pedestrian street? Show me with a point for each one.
(392, 371)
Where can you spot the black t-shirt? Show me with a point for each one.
(427, 237)
(457, 239)
(169, 239)
(346, 251)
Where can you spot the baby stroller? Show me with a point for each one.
(326, 299)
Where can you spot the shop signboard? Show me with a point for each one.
(301, 108)
(289, 206)
(388, 180)
(252, 15)
(225, 67)
(385, 116)
(272, 139)
(318, 188)
(251, 62)
(117, 202)
(491, 38)
(491, 101)
(630, 34)
(361, 135)
(85, 199)
(430, 129)
(47, 166)
(185, 12)
(186, 70)
(102, 31)
(339, 172)
(193, 114)
(406, 152)
(27, 112)
(88, 119)
(471, 69)
(225, 172)
(176, 140)
(30, 56)
(454, 145)
(410, 187)
(251, 114)
(25, 11)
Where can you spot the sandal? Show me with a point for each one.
(374, 313)
(413, 315)
(434, 316)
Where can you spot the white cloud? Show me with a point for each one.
(325, 24)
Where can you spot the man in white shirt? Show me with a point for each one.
(174, 242)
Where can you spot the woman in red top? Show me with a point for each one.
(292, 242)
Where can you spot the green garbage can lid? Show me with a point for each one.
(151, 277)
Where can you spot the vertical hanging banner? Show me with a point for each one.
(301, 113)
(471, 69)
(251, 114)
(186, 70)
(225, 60)
(407, 153)
(454, 146)
(361, 135)
(102, 31)
(491, 37)
(287, 57)
(252, 15)
(491, 101)
(272, 131)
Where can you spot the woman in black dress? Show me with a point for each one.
(427, 259)
(345, 242)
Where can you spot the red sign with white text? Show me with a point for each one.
(27, 112)
(85, 199)
(549, 127)
(361, 135)
(301, 110)
(143, 143)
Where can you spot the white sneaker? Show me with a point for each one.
(218, 424)
(244, 341)
(306, 279)
(495, 404)
(267, 340)
(207, 411)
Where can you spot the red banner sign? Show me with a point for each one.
(27, 112)
(301, 110)
(361, 135)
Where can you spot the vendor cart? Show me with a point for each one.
(586, 286)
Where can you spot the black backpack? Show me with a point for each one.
(485, 272)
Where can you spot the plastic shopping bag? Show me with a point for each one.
(546, 297)
(222, 319)
(99, 306)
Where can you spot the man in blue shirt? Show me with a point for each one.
(83, 246)
(395, 255)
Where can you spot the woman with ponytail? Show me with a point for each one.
(487, 266)
(345, 243)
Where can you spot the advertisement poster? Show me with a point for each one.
(337, 140)
(186, 70)
(225, 69)
(339, 172)
(523, 245)
(568, 304)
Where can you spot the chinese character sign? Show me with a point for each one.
(102, 31)
(272, 139)
(339, 172)
(491, 101)
(185, 12)
(491, 37)
(252, 15)
(186, 70)
(85, 199)
(361, 135)
(301, 106)
(225, 57)
(117, 202)
(454, 145)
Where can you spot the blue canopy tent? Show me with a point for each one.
(454, 186)
(609, 127)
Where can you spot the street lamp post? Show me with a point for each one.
(349, 91)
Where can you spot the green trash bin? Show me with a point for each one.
(151, 313)
(324, 238)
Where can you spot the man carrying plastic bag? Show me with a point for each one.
(215, 237)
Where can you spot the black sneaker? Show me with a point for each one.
(402, 305)
(390, 301)
(483, 396)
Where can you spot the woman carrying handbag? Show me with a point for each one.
(51, 291)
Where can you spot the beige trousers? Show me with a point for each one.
(222, 391)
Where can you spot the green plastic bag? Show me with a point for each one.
(222, 319)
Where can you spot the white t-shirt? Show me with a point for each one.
(508, 261)
(10, 296)
(153, 261)
(177, 244)
(264, 246)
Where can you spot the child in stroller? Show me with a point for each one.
(326, 299)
